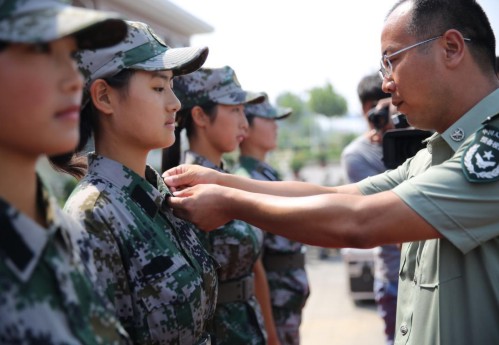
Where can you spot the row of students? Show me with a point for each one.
(161, 279)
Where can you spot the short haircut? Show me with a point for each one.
(369, 89)
(434, 17)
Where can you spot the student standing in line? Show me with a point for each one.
(161, 280)
(47, 287)
(213, 116)
(283, 259)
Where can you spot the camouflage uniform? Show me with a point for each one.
(160, 278)
(288, 282)
(47, 295)
(235, 246)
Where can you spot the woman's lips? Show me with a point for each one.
(71, 113)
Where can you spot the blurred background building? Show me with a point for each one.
(170, 22)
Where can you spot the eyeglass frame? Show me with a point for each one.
(383, 71)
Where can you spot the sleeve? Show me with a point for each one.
(384, 181)
(107, 256)
(463, 212)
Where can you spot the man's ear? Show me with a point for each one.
(101, 97)
(199, 117)
(454, 45)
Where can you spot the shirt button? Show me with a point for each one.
(404, 329)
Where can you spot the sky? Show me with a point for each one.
(289, 45)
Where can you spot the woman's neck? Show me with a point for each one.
(254, 152)
(206, 150)
(18, 184)
(130, 157)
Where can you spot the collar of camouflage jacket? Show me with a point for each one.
(22, 240)
(150, 192)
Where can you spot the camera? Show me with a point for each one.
(378, 117)
(403, 142)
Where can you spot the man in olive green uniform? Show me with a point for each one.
(283, 259)
(438, 64)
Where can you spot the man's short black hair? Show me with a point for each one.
(369, 89)
(434, 17)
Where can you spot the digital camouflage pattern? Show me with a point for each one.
(217, 85)
(33, 21)
(266, 110)
(163, 283)
(142, 49)
(48, 293)
(289, 289)
(236, 247)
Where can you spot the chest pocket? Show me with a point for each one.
(425, 264)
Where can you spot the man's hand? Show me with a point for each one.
(187, 175)
(203, 205)
(387, 102)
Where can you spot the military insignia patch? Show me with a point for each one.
(481, 158)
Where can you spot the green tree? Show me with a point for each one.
(324, 100)
(290, 100)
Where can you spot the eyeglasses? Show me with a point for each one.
(386, 66)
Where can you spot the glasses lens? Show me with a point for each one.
(386, 67)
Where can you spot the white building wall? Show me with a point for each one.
(170, 22)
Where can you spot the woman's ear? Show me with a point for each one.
(199, 117)
(101, 97)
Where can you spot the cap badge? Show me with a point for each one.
(457, 135)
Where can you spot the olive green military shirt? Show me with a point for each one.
(449, 287)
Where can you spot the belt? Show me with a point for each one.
(236, 290)
(283, 262)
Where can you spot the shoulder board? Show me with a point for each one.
(491, 118)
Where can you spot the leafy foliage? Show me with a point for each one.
(324, 100)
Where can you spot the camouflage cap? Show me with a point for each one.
(35, 21)
(267, 110)
(143, 50)
(218, 85)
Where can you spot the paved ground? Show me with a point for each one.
(330, 316)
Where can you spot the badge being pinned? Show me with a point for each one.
(481, 158)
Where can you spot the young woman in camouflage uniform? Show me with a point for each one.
(46, 285)
(283, 259)
(213, 116)
(153, 267)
